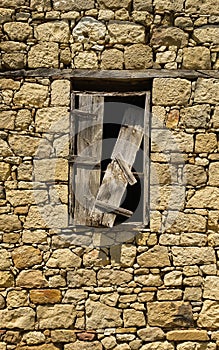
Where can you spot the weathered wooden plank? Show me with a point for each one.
(115, 182)
(125, 168)
(125, 75)
(146, 166)
(87, 161)
(83, 114)
(110, 208)
(71, 168)
(88, 145)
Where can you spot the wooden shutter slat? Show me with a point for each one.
(125, 168)
(82, 114)
(115, 210)
(89, 161)
(114, 182)
(88, 145)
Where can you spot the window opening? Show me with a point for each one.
(99, 159)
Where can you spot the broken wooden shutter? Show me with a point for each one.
(118, 173)
(86, 144)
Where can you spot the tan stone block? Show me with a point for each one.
(205, 346)
(7, 119)
(81, 277)
(114, 4)
(207, 90)
(60, 93)
(5, 261)
(185, 335)
(31, 279)
(23, 145)
(17, 298)
(196, 58)
(112, 59)
(81, 345)
(31, 95)
(5, 15)
(86, 60)
(205, 143)
(4, 171)
(36, 236)
(211, 288)
(191, 256)
(57, 316)
(206, 34)
(39, 347)
(166, 314)
(9, 223)
(195, 116)
(193, 294)
(52, 119)
(18, 31)
(154, 257)
(21, 318)
(74, 296)
(89, 30)
(126, 33)
(143, 17)
(6, 83)
(63, 335)
(133, 318)
(158, 346)
(208, 317)
(128, 254)
(107, 277)
(142, 5)
(207, 197)
(6, 279)
(194, 175)
(44, 55)
(215, 118)
(57, 31)
(48, 216)
(13, 60)
(63, 258)
(51, 170)
(169, 294)
(169, 36)
(208, 7)
(26, 256)
(171, 91)
(149, 280)
(138, 56)
(73, 5)
(109, 342)
(45, 296)
(25, 197)
(23, 119)
(214, 174)
(12, 46)
(151, 334)
(169, 5)
(185, 222)
(99, 315)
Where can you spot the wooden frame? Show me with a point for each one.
(119, 160)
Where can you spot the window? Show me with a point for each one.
(109, 159)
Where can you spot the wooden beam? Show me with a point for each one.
(116, 210)
(111, 75)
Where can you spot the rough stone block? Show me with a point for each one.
(208, 317)
(21, 318)
(126, 32)
(31, 95)
(63, 258)
(171, 91)
(112, 59)
(170, 314)
(31, 279)
(169, 36)
(196, 58)
(99, 315)
(26, 256)
(154, 257)
(53, 31)
(138, 56)
(185, 335)
(57, 316)
(183, 256)
(207, 7)
(205, 143)
(73, 5)
(44, 55)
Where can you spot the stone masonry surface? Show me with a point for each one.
(158, 290)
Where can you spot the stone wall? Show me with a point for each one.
(160, 289)
(109, 34)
